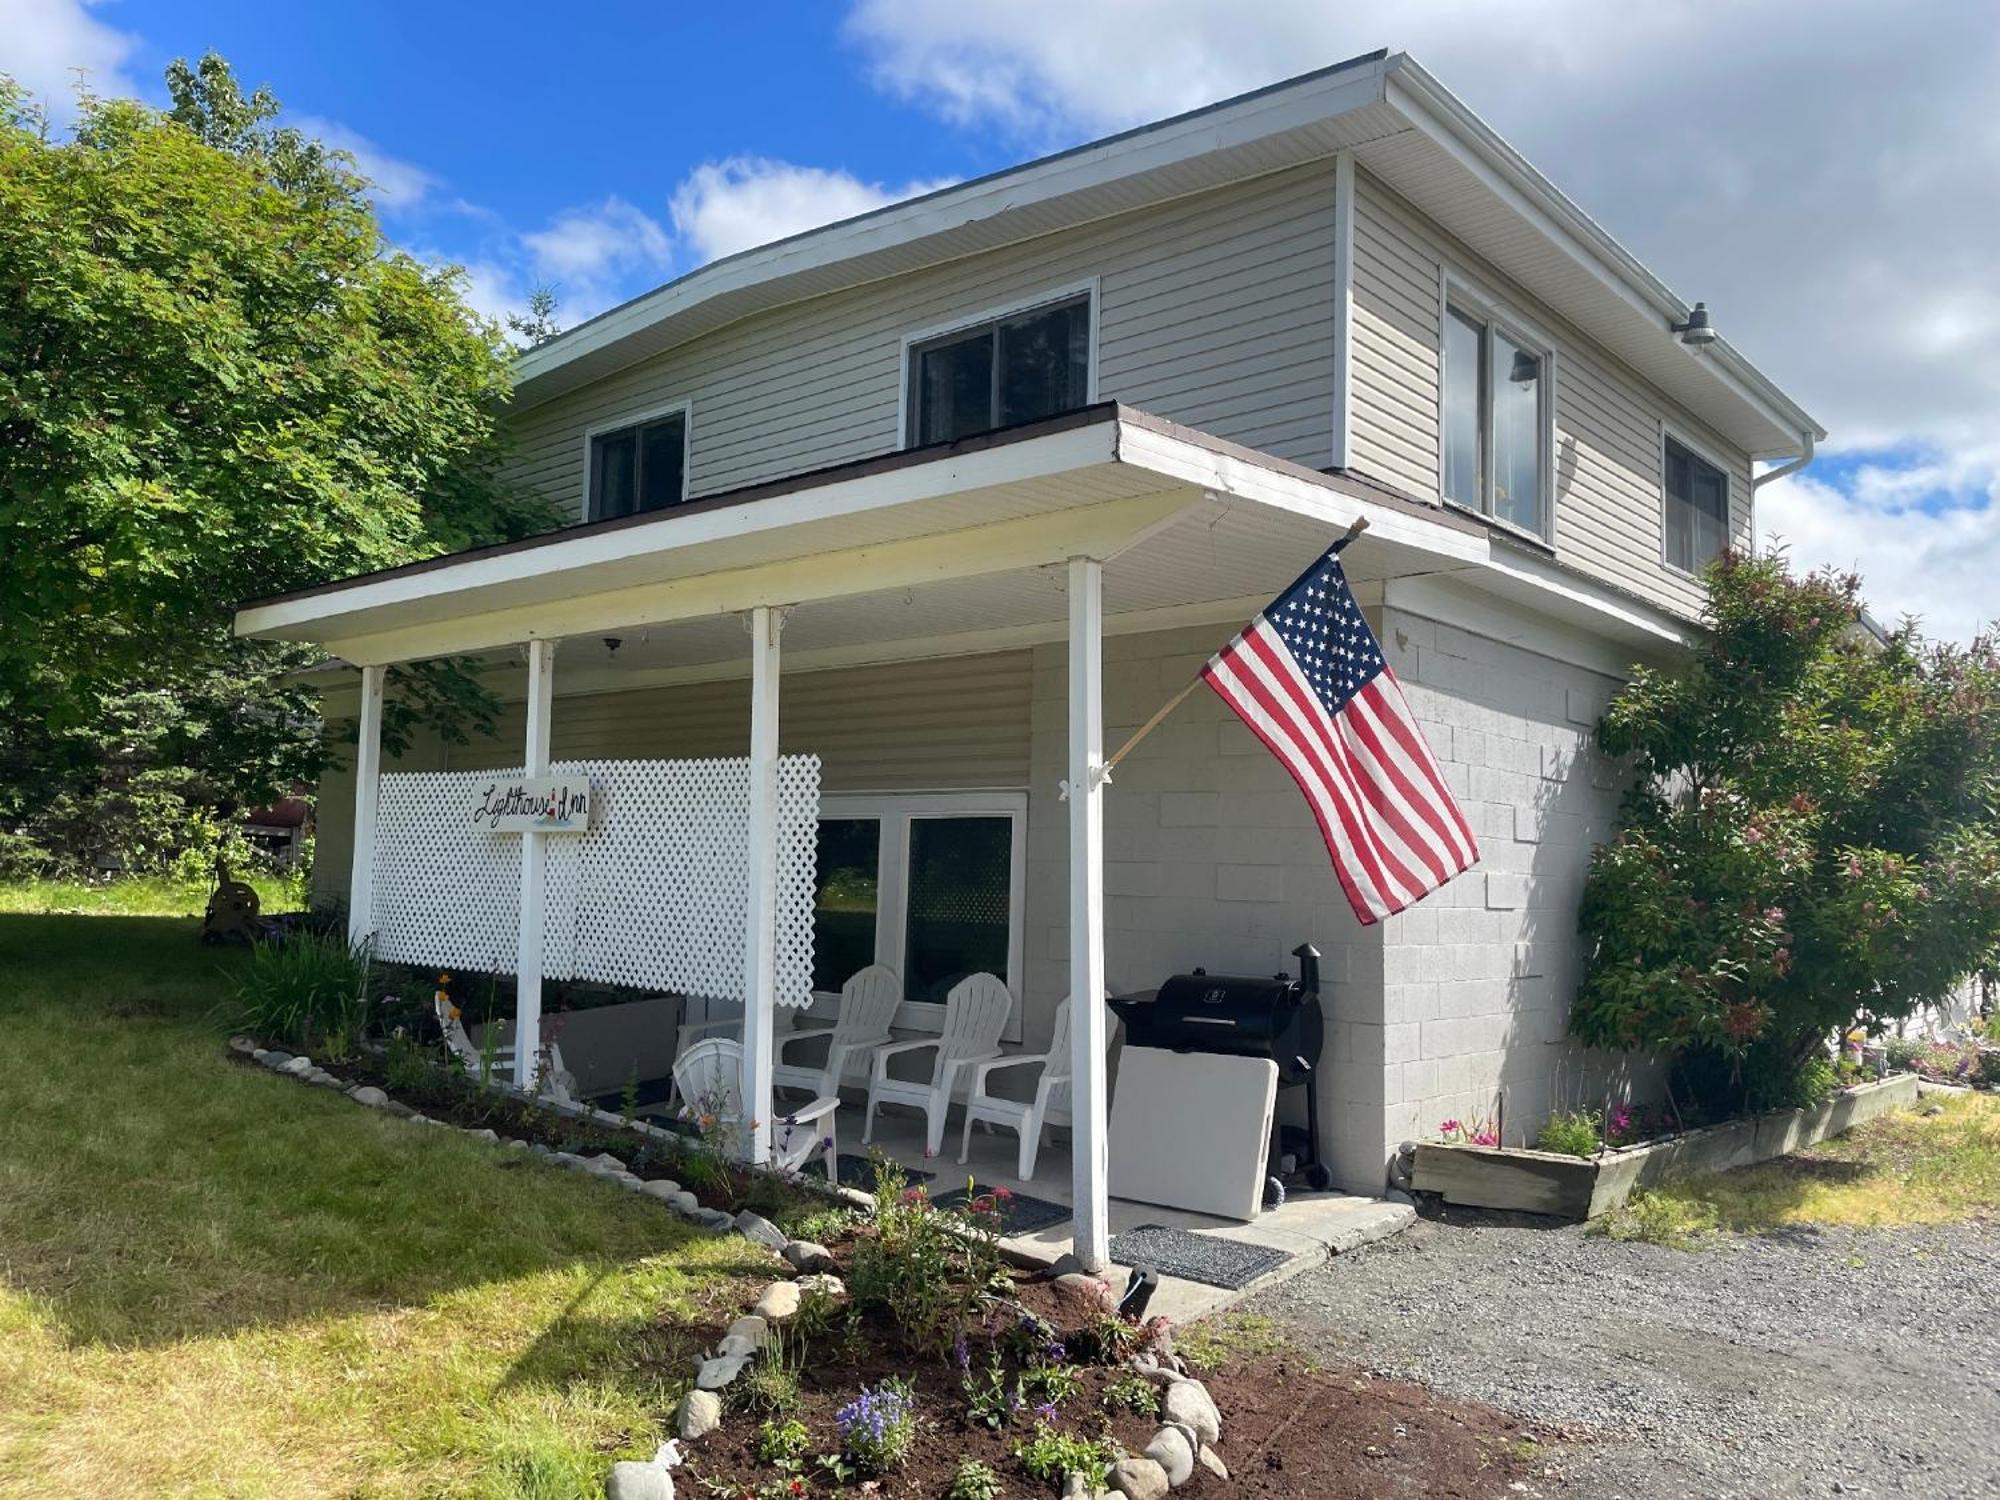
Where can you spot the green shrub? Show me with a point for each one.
(1571, 1133)
(1808, 830)
(928, 1268)
(972, 1480)
(1050, 1457)
(1903, 1053)
(783, 1444)
(304, 988)
(1133, 1392)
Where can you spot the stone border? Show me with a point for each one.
(1574, 1187)
(604, 1165)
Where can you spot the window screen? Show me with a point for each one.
(1697, 509)
(1015, 369)
(960, 876)
(638, 468)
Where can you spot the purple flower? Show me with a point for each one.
(1045, 1412)
(962, 1354)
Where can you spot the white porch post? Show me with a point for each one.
(760, 958)
(1088, 1152)
(534, 871)
(367, 792)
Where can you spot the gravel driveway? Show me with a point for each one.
(1810, 1362)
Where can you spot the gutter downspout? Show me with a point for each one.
(1758, 481)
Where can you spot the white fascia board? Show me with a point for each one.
(1543, 584)
(1267, 112)
(1101, 530)
(1003, 463)
(1440, 115)
(1231, 474)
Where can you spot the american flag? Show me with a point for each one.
(1307, 676)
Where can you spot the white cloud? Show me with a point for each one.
(722, 207)
(44, 43)
(594, 257)
(1935, 562)
(399, 186)
(1829, 181)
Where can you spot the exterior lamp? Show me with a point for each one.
(1697, 333)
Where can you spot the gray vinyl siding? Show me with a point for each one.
(1608, 471)
(1215, 310)
(943, 724)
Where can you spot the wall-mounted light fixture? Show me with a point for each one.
(1697, 333)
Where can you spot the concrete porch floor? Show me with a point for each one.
(1310, 1226)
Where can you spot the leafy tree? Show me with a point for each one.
(538, 324)
(217, 381)
(1810, 839)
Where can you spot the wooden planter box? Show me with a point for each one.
(1574, 1187)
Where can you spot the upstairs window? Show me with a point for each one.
(1697, 506)
(1011, 369)
(638, 468)
(1497, 417)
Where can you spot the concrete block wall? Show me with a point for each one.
(1478, 978)
(1211, 858)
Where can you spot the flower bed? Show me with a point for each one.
(1573, 1187)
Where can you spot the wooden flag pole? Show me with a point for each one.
(1360, 525)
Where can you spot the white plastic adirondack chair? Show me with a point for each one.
(868, 1004)
(557, 1082)
(690, 1034)
(1051, 1102)
(709, 1079)
(975, 1013)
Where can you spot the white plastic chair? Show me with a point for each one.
(1051, 1102)
(688, 1034)
(709, 1079)
(556, 1081)
(868, 1004)
(975, 1013)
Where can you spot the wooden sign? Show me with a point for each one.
(533, 804)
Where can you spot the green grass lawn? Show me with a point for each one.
(214, 1281)
(1909, 1167)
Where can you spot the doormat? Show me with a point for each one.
(1019, 1213)
(859, 1172)
(1229, 1264)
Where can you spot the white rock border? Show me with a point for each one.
(604, 1166)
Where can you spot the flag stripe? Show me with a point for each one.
(1358, 870)
(1309, 679)
(1328, 757)
(1376, 795)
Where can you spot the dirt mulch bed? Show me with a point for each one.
(1289, 1430)
(1292, 1430)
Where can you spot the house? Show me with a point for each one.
(989, 473)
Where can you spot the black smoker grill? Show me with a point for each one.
(1242, 1016)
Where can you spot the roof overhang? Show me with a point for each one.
(954, 548)
(1400, 124)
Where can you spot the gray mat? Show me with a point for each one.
(1229, 1264)
(1019, 1213)
(859, 1172)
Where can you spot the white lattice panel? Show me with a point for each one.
(447, 892)
(652, 896)
(664, 876)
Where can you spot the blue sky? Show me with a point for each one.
(1826, 178)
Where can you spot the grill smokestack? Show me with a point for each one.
(1308, 957)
